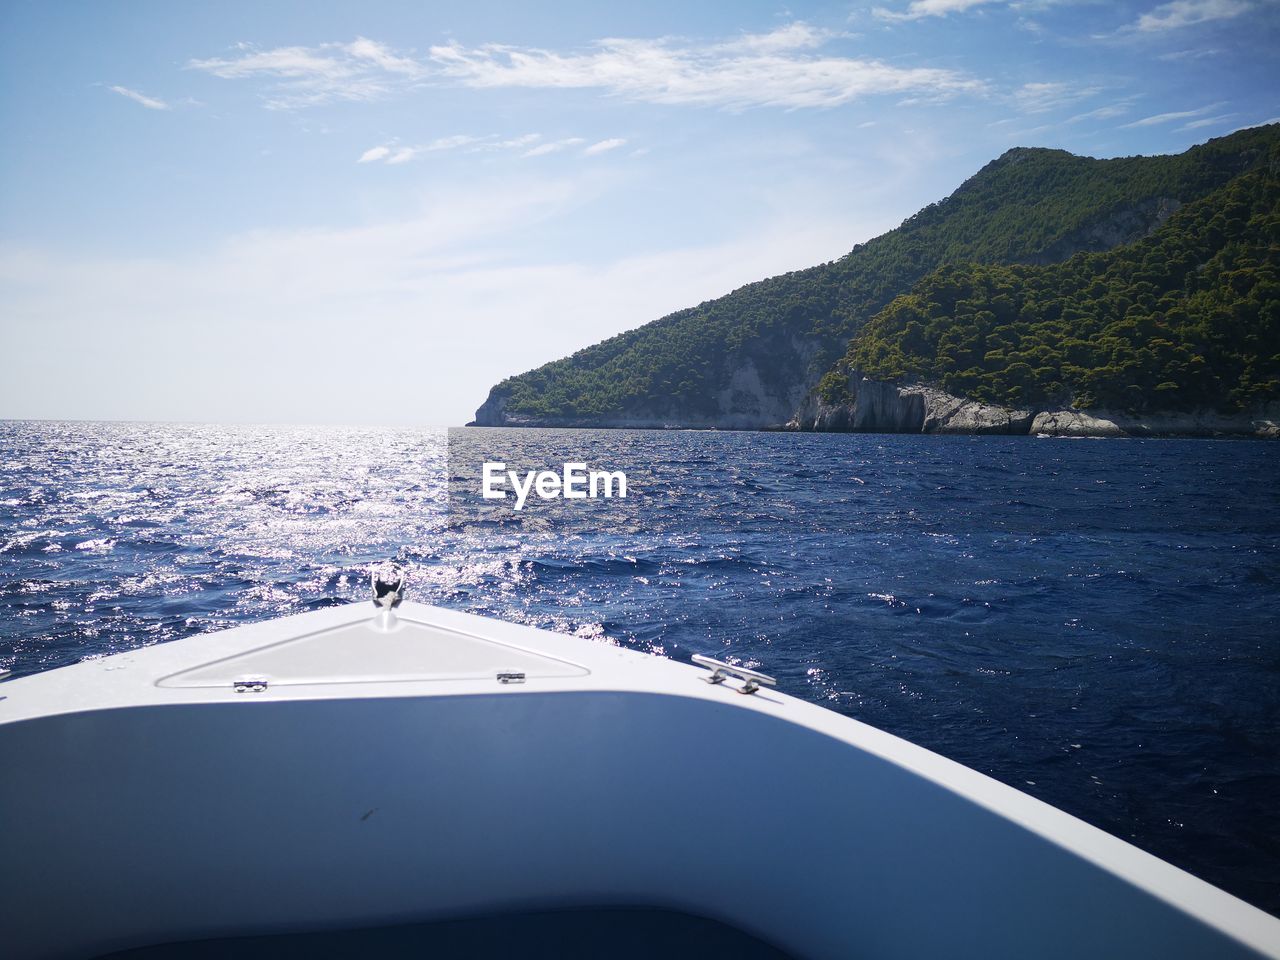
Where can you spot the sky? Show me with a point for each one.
(372, 212)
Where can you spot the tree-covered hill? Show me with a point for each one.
(1188, 318)
(748, 359)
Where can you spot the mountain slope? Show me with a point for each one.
(1187, 319)
(750, 358)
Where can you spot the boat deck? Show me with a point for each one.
(342, 770)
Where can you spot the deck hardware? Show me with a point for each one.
(250, 684)
(510, 676)
(720, 671)
(387, 580)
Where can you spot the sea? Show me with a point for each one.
(1095, 622)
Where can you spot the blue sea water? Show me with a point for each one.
(1093, 622)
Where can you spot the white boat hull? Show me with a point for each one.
(138, 810)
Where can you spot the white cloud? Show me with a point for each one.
(793, 36)
(1206, 122)
(1160, 118)
(451, 143)
(604, 146)
(778, 68)
(305, 76)
(1195, 54)
(1183, 13)
(521, 141)
(756, 71)
(392, 154)
(1027, 132)
(1043, 96)
(919, 9)
(151, 103)
(400, 155)
(378, 54)
(554, 146)
(1108, 112)
(374, 153)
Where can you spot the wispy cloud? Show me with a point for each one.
(1207, 121)
(514, 143)
(1043, 96)
(394, 154)
(1185, 13)
(1170, 117)
(1197, 53)
(774, 69)
(793, 36)
(1107, 112)
(374, 154)
(370, 51)
(604, 146)
(554, 146)
(919, 9)
(781, 68)
(306, 76)
(151, 103)
(527, 144)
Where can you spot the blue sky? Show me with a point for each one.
(372, 212)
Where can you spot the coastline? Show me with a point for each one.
(911, 408)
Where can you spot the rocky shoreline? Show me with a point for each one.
(882, 407)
